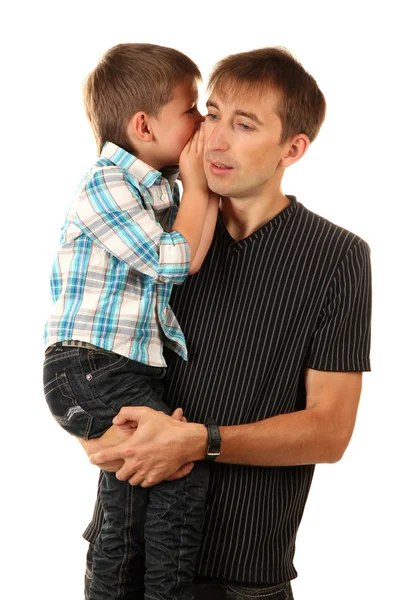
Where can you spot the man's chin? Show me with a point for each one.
(216, 187)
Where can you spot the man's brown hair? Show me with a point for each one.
(131, 78)
(300, 103)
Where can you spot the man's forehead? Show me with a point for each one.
(243, 102)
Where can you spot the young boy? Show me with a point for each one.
(125, 242)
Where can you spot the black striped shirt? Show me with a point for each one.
(293, 295)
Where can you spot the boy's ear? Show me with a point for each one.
(297, 147)
(140, 127)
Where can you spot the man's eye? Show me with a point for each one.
(192, 109)
(211, 116)
(245, 127)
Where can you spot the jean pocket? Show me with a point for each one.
(279, 591)
(102, 362)
(64, 407)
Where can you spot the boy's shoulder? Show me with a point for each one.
(104, 174)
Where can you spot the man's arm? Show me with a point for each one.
(318, 434)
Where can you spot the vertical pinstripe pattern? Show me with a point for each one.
(295, 294)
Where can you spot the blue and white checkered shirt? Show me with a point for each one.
(117, 261)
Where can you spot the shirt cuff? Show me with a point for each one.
(174, 258)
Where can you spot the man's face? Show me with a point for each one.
(242, 144)
(175, 123)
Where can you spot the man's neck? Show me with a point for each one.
(244, 217)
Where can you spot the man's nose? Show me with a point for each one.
(216, 138)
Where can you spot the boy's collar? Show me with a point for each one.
(137, 167)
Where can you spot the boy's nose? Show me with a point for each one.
(199, 117)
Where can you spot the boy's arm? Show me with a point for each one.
(208, 232)
(110, 212)
(190, 220)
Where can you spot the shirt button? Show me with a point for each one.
(164, 197)
(161, 279)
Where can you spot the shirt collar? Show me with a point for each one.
(145, 174)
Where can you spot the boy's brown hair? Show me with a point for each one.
(301, 105)
(131, 78)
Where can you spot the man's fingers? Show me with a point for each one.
(138, 479)
(113, 466)
(182, 472)
(177, 414)
(127, 472)
(128, 425)
(106, 456)
(128, 413)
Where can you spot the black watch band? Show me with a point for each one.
(214, 439)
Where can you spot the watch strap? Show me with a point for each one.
(214, 439)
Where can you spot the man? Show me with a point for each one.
(277, 347)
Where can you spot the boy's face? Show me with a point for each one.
(242, 143)
(175, 123)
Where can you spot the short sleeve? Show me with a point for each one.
(342, 337)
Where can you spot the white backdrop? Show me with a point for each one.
(357, 538)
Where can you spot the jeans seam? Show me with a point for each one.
(75, 403)
(113, 367)
(127, 535)
(56, 358)
(268, 592)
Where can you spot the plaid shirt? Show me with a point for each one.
(117, 261)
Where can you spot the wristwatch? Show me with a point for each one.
(214, 439)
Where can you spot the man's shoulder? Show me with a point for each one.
(324, 232)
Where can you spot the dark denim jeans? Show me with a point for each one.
(85, 389)
(216, 589)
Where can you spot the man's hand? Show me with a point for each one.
(159, 449)
(115, 435)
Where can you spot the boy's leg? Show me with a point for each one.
(173, 532)
(117, 568)
(85, 389)
(88, 569)
(118, 557)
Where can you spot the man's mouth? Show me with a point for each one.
(217, 167)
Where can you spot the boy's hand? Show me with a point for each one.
(191, 162)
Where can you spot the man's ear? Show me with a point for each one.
(139, 126)
(296, 148)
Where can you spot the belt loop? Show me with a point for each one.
(58, 346)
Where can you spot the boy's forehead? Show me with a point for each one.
(187, 88)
